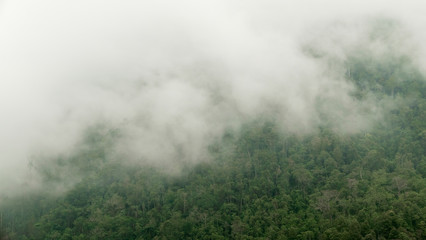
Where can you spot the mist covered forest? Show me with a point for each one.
(261, 182)
(337, 152)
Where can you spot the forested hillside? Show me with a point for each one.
(262, 182)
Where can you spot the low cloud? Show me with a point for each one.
(172, 76)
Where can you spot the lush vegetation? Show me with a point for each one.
(261, 183)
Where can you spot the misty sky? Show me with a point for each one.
(177, 73)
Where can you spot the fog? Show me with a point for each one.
(174, 75)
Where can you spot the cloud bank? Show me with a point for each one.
(173, 75)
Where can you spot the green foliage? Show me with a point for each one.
(262, 183)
